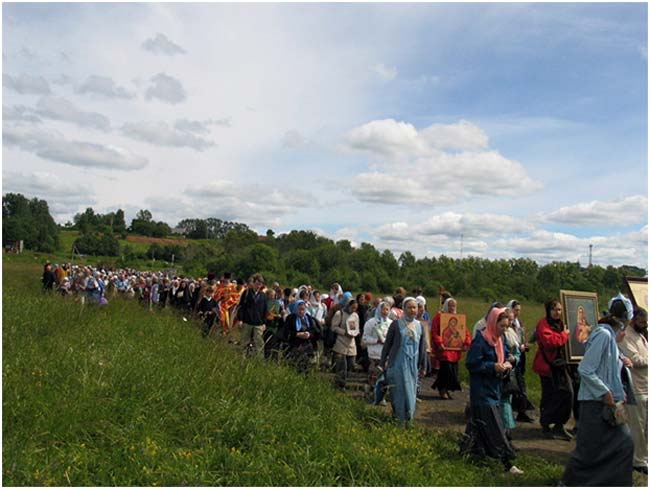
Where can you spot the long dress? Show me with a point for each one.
(507, 415)
(403, 374)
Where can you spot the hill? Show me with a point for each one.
(120, 396)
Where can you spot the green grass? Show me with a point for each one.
(120, 396)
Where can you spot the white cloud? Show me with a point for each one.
(53, 146)
(623, 211)
(248, 203)
(19, 114)
(410, 166)
(462, 136)
(387, 138)
(545, 246)
(160, 133)
(63, 110)
(166, 88)
(63, 79)
(26, 84)
(104, 86)
(64, 198)
(477, 225)
(200, 127)
(386, 73)
(292, 139)
(160, 44)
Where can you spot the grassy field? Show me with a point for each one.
(121, 396)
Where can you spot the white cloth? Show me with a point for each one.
(374, 335)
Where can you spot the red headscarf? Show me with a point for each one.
(492, 336)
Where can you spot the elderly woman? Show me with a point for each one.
(550, 364)
(374, 336)
(520, 401)
(345, 323)
(447, 379)
(511, 340)
(302, 334)
(604, 449)
(402, 357)
(486, 362)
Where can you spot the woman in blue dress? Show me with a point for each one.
(403, 357)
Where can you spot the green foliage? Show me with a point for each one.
(93, 243)
(210, 228)
(30, 221)
(88, 221)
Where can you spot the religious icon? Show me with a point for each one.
(351, 325)
(452, 330)
(580, 314)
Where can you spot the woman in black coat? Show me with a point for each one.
(302, 332)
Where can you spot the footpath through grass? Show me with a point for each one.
(118, 396)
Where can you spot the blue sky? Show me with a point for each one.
(522, 127)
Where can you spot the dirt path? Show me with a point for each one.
(527, 438)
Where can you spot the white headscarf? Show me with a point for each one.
(409, 322)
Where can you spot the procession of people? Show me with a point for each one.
(394, 343)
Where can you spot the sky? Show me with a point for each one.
(491, 130)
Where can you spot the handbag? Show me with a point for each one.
(509, 384)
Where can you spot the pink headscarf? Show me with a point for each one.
(492, 336)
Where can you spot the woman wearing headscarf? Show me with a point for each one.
(423, 317)
(345, 324)
(374, 336)
(550, 364)
(302, 334)
(511, 341)
(402, 357)
(520, 402)
(447, 380)
(486, 362)
(604, 449)
(481, 323)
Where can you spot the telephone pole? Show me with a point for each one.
(461, 246)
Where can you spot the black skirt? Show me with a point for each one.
(603, 454)
(447, 379)
(485, 435)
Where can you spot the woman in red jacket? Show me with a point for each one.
(447, 379)
(557, 392)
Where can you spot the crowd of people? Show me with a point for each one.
(398, 344)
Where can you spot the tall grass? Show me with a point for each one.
(121, 396)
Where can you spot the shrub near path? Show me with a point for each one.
(120, 396)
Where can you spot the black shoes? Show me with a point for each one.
(559, 433)
(524, 418)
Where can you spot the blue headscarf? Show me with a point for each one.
(344, 299)
(300, 321)
(629, 309)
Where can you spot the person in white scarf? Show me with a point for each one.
(374, 336)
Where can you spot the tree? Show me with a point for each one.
(143, 215)
(30, 221)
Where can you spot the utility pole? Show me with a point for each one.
(461, 246)
(591, 248)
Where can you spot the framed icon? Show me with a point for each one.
(453, 329)
(580, 314)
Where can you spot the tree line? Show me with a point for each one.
(303, 256)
